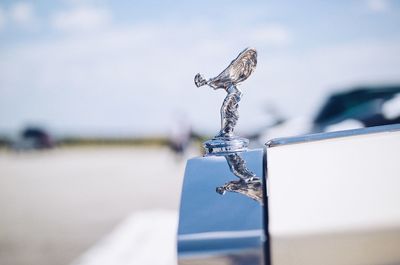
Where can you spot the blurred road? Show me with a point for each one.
(54, 205)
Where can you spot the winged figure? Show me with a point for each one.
(237, 71)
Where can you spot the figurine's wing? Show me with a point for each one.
(237, 71)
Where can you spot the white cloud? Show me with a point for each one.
(23, 14)
(274, 34)
(133, 78)
(301, 81)
(81, 19)
(378, 5)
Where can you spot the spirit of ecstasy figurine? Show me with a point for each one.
(238, 71)
(225, 143)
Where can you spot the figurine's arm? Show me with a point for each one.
(199, 81)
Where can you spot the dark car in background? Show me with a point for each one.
(33, 138)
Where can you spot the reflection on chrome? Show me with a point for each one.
(248, 184)
(238, 71)
(223, 230)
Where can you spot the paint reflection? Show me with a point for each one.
(248, 184)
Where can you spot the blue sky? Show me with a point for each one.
(127, 67)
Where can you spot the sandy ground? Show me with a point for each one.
(54, 205)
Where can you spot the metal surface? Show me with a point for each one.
(238, 71)
(215, 229)
(331, 135)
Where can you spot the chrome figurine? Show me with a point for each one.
(238, 71)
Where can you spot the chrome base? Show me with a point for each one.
(225, 145)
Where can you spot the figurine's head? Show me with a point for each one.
(243, 66)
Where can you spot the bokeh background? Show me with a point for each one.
(98, 109)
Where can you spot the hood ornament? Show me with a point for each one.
(237, 71)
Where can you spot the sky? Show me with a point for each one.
(126, 68)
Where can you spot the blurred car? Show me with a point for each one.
(350, 109)
(371, 106)
(33, 138)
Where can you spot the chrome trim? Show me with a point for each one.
(225, 145)
(222, 234)
(330, 135)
